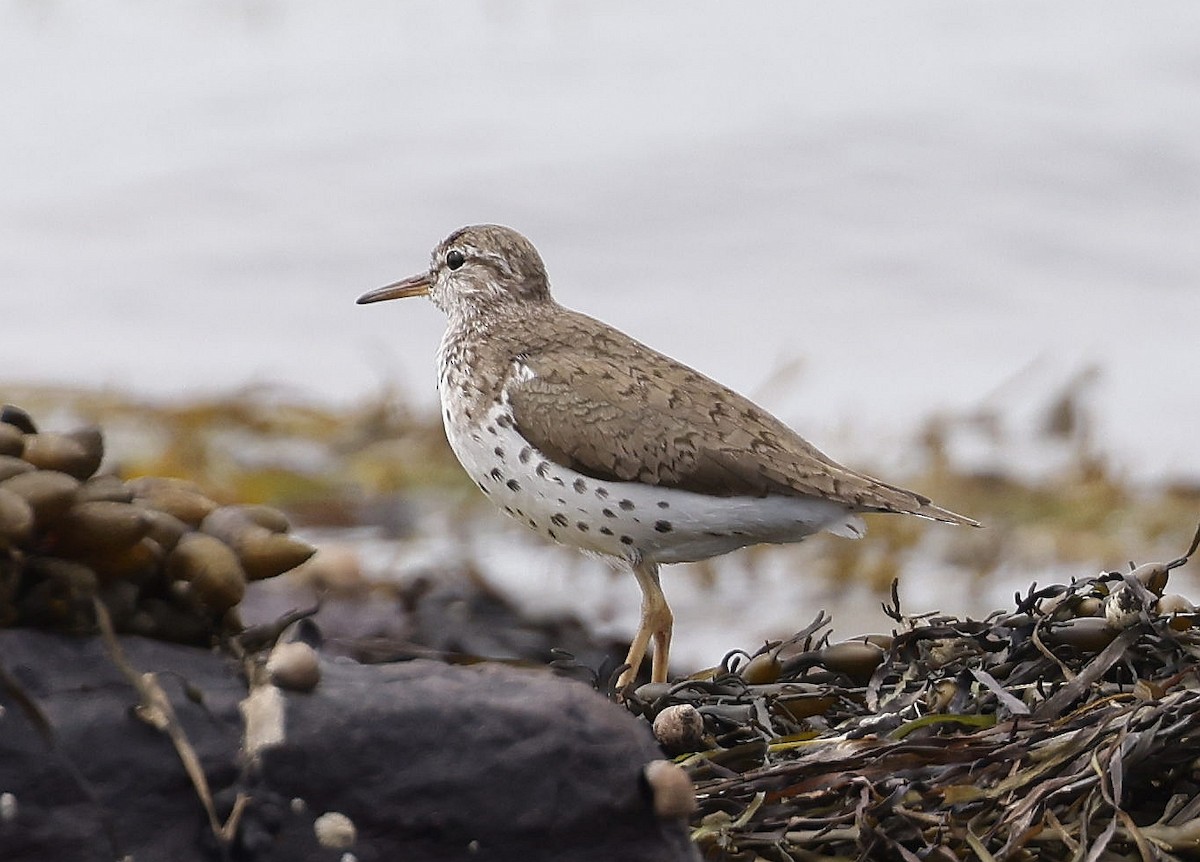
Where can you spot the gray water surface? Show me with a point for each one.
(915, 201)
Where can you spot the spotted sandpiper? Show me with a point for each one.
(597, 441)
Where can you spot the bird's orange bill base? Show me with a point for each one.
(418, 285)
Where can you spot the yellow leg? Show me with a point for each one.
(655, 624)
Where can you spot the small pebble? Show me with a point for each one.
(335, 830)
(294, 666)
(679, 729)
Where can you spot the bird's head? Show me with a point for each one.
(476, 269)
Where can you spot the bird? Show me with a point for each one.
(600, 442)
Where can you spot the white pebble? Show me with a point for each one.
(294, 666)
(335, 830)
(679, 728)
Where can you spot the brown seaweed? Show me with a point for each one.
(999, 739)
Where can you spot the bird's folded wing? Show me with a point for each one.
(668, 425)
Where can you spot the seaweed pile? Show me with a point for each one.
(1068, 728)
(165, 560)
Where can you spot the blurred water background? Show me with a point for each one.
(861, 215)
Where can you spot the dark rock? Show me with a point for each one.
(428, 761)
(451, 615)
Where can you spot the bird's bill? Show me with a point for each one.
(418, 285)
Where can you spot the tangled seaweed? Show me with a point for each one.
(1068, 728)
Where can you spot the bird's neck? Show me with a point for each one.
(489, 338)
(500, 322)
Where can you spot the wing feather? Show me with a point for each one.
(662, 423)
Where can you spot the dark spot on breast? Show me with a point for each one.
(579, 485)
(663, 504)
(626, 540)
(606, 531)
(499, 452)
(504, 420)
(533, 523)
(627, 505)
(602, 493)
(483, 489)
(496, 474)
(513, 485)
(559, 519)
(523, 455)
(552, 534)
(491, 429)
(581, 526)
(446, 416)
(713, 535)
(609, 513)
(663, 526)
(509, 509)
(542, 468)
(561, 501)
(467, 413)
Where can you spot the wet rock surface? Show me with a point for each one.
(424, 761)
(450, 615)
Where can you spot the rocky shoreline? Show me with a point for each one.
(409, 760)
(140, 718)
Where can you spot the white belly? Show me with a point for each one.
(628, 519)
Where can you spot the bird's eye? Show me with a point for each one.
(455, 259)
